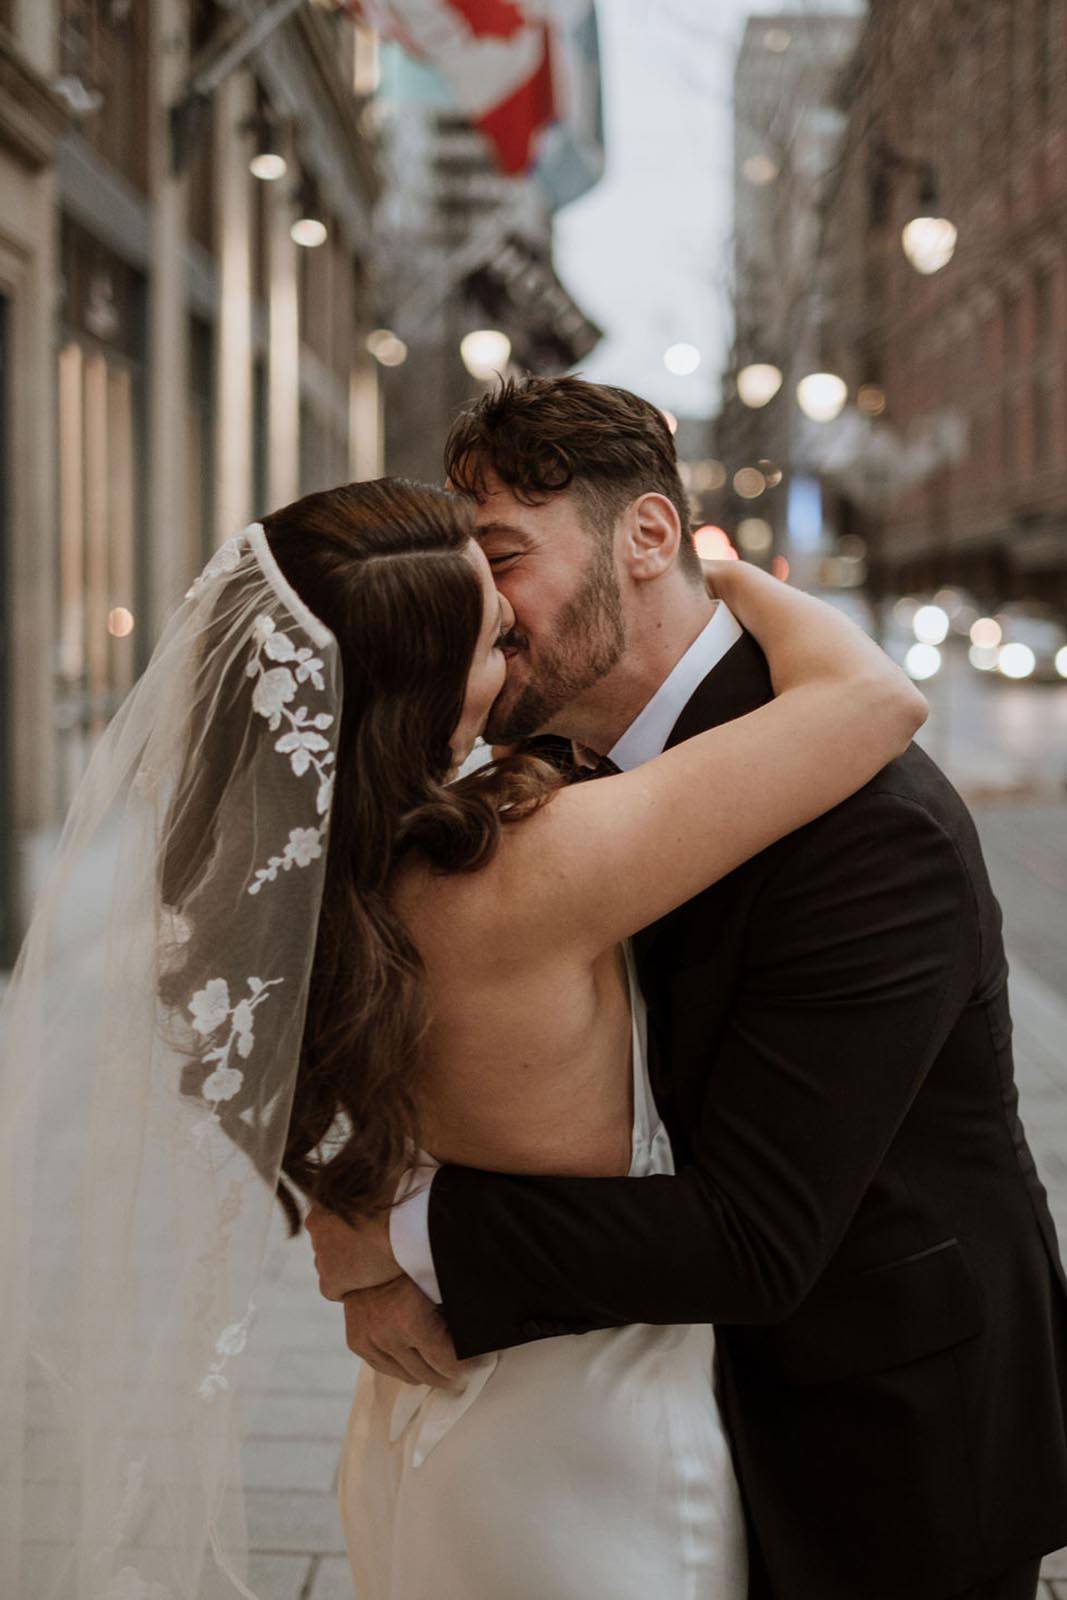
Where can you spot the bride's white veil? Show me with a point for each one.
(149, 1045)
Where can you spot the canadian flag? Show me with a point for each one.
(495, 55)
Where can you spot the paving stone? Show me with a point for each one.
(308, 1464)
(297, 1416)
(279, 1577)
(317, 1368)
(333, 1580)
(280, 1521)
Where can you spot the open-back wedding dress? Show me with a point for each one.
(579, 1467)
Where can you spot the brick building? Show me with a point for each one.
(954, 467)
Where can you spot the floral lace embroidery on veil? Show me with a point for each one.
(280, 668)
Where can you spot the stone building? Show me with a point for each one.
(787, 135)
(172, 362)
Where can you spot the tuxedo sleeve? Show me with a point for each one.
(861, 949)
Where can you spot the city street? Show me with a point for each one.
(995, 737)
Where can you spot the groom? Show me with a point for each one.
(855, 1206)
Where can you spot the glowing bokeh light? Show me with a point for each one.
(485, 352)
(922, 661)
(822, 395)
(120, 622)
(758, 384)
(930, 625)
(929, 243)
(755, 536)
(983, 657)
(986, 632)
(1016, 661)
(749, 483)
(713, 544)
(681, 359)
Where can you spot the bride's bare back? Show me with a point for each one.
(527, 1065)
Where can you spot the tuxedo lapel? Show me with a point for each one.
(737, 684)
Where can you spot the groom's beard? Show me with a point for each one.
(589, 639)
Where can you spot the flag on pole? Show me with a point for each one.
(495, 55)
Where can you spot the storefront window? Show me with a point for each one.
(7, 875)
(100, 578)
(104, 43)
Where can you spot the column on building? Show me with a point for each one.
(31, 120)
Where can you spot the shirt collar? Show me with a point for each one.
(647, 735)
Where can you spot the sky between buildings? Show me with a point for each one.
(645, 252)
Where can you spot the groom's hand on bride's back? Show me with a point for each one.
(396, 1330)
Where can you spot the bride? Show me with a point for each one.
(279, 949)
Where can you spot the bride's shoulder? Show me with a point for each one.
(464, 918)
(441, 908)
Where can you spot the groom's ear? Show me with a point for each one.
(652, 536)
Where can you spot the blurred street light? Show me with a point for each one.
(713, 544)
(267, 164)
(930, 625)
(1016, 661)
(771, 473)
(120, 622)
(671, 420)
(929, 239)
(758, 383)
(983, 657)
(822, 395)
(705, 477)
(681, 359)
(755, 536)
(386, 348)
(749, 483)
(1061, 662)
(760, 169)
(777, 40)
(922, 661)
(870, 398)
(309, 232)
(929, 243)
(986, 633)
(485, 352)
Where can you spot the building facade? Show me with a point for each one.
(787, 137)
(469, 248)
(959, 472)
(172, 361)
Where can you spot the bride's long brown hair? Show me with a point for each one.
(382, 564)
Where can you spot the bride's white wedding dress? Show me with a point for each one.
(581, 1467)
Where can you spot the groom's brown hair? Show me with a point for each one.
(541, 436)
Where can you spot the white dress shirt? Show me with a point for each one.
(646, 737)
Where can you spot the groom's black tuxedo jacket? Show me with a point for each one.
(855, 1205)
